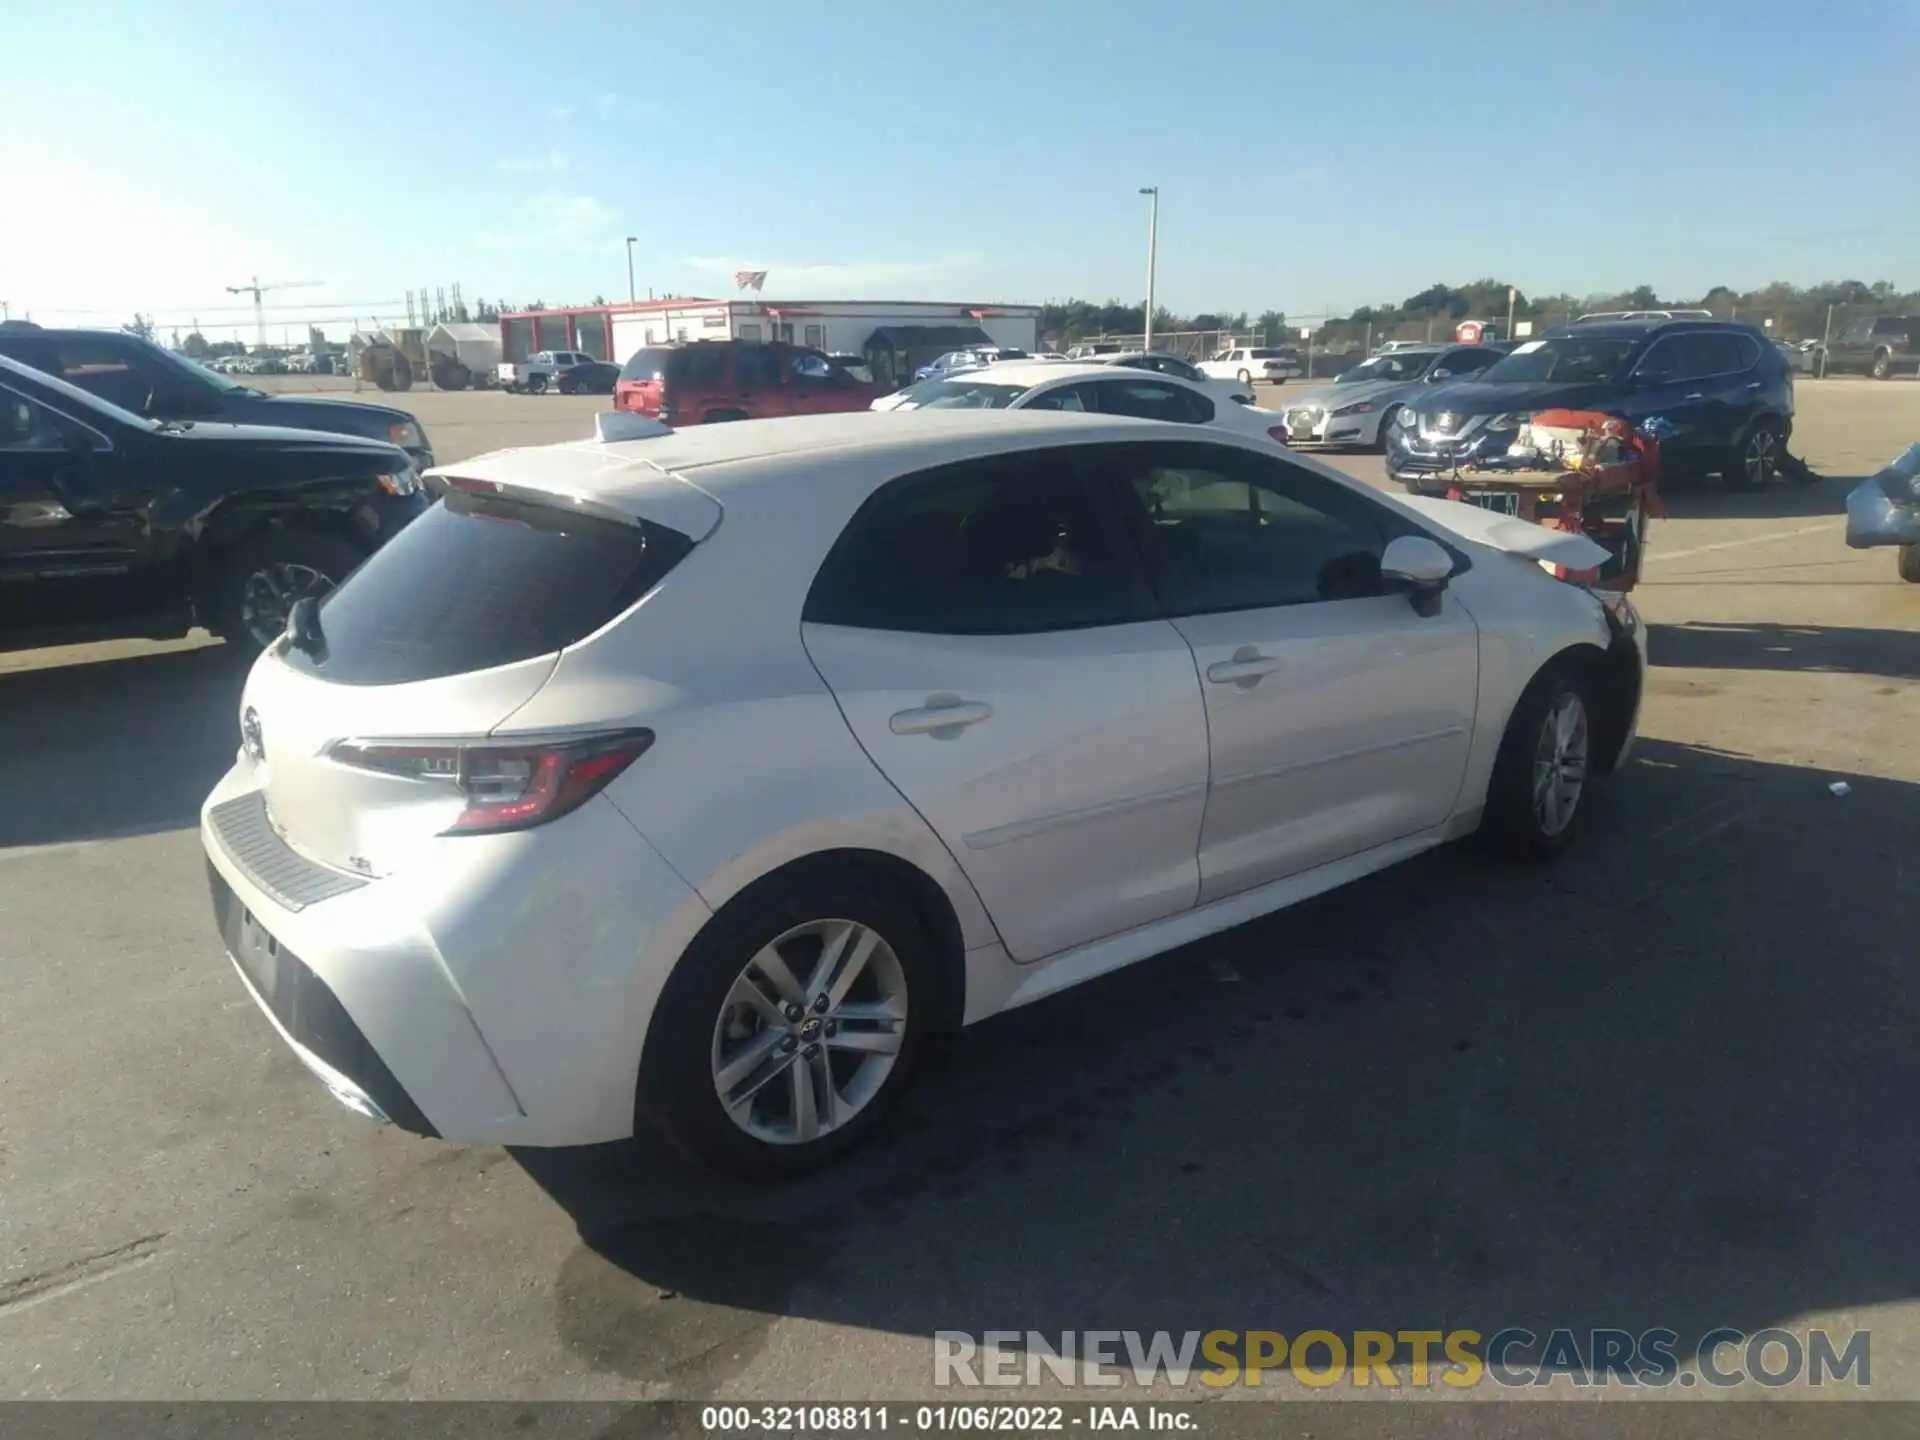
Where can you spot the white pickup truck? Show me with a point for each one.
(1249, 365)
(540, 371)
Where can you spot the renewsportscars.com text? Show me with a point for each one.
(1514, 1356)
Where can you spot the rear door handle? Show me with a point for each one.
(1696, 395)
(1248, 667)
(942, 713)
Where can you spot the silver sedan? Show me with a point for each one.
(1357, 408)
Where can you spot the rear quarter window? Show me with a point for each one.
(483, 581)
(647, 364)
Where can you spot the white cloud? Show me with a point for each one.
(552, 163)
(555, 221)
(847, 278)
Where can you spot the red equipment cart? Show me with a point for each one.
(1582, 471)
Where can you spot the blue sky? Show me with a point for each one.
(1307, 157)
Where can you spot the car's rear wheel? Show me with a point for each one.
(1538, 800)
(791, 1024)
(1755, 459)
(1883, 365)
(1245, 377)
(264, 577)
(1910, 564)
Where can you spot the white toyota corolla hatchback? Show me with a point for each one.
(696, 778)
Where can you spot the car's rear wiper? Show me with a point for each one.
(303, 628)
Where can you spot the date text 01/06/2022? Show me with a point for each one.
(941, 1418)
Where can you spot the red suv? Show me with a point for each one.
(736, 380)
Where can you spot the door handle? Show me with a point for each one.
(1247, 668)
(1696, 395)
(1753, 384)
(942, 713)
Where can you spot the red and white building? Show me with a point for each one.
(888, 332)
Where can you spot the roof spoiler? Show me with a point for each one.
(611, 426)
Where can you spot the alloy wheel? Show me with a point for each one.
(1560, 764)
(809, 1031)
(269, 595)
(1758, 458)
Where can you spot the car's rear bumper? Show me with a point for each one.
(498, 990)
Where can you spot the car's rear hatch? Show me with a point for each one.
(642, 387)
(361, 731)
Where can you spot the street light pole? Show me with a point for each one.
(1153, 252)
(631, 296)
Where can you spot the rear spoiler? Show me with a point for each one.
(610, 427)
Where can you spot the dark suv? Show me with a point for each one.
(1881, 346)
(149, 380)
(1723, 388)
(113, 525)
(713, 380)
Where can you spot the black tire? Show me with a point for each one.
(1754, 462)
(678, 1089)
(536, 385)
(262, 577)
(1910, 564)
(1882, 368)
(1244, 377)
(1513, 823)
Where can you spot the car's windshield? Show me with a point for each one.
(1563, 358)
(201, 375)
(959, 395)
(1400, 365)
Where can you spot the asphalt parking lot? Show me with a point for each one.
(1667, 1082)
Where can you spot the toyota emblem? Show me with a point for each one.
(252, 739)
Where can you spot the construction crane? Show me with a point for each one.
(256, 289)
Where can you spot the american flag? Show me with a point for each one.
(750, 279)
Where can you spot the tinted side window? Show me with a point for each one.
(1724, 353)
(1665, 359)
(704, 365)
(1227, 530)
(807, 365)
(1150, 400)
(647, 364)
(1012, 545)
(1064, 397)
(1468, 361)
(112, 369)
(28, 425)
(754, 368)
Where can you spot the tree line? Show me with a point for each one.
(1797, 312)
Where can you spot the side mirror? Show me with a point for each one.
(1440, 375)
(1419, 566)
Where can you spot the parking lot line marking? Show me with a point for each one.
(1653, 555)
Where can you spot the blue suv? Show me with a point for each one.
(1723, 388)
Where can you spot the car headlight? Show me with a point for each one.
(1406, 419)
(1511, 420)
(401, 482)
(406, 434)
(1359, 407)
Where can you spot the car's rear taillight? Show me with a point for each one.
(507, 786)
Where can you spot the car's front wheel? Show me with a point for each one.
(1244, 377)
(1538, 800)
(1755, 458)
(791, 1024)
(264, 577)
(1882, 365)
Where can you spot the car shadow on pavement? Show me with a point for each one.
(1712, 500)
(114, 748)
(1665, 1082)
(1832, 649)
